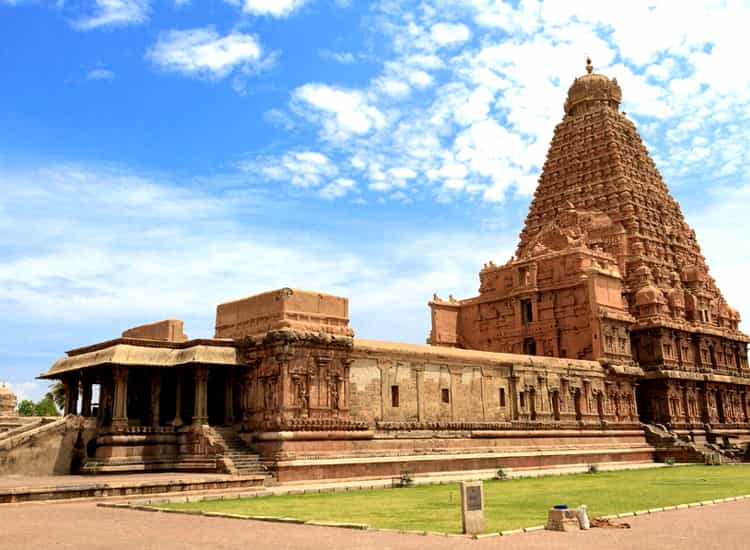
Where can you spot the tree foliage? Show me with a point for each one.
(56, 394)
(26, 408)
(45, 407)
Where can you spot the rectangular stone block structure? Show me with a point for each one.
(472, 507)
(168, 330)
(283, 309)
(562, 520)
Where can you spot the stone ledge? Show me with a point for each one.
(141, 488)
(461, 456)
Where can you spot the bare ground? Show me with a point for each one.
(84, 525)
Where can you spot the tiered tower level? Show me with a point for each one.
(608, 269)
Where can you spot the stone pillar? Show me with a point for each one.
(177, 422)
(71, 394)
(346, 393)
(247, 400)
(419, 383)
(285, 396)
(685, 399)
(120, 402)
(228, 396)
(513, 396)
(102, 399)
(86, 397)
(701, 394)
(200, 414)
(155, 397)
(545, 407)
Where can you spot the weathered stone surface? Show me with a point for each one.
(562, 520)
(169, 330)
(286, 308)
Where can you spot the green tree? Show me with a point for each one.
(46, 407)
(27, 408)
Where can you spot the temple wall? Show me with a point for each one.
(403, 383)
(437, 409)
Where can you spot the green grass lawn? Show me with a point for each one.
(509, 504)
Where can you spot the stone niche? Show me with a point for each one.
(168, 330)
(287, 308)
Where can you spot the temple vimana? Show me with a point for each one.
(604, 339)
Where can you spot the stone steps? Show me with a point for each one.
(245, 461)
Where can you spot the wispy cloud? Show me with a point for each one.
(107, 239)
(113, 13)
(272, 8)
(345, 58)
(204, 53)
(100, 74)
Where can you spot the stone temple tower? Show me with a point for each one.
(607, 268)
(8, 402)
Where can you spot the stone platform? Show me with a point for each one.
(26, 489)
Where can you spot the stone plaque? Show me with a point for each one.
(473, 498)
(472, 507)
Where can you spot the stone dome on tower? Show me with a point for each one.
(8, 401)
(592, 89)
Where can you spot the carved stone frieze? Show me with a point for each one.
(301, 381)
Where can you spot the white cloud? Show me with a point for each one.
(33, 390)
(114, 13)
(392, 87)
(338, 188)
(203, 52)
(100, 74)
(445, 34)
(342, 112)
(492, 106)
(111, 244)
(299, 168)
(272, 8)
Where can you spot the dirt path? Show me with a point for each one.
(83, 525)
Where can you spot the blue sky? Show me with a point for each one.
(160, 157)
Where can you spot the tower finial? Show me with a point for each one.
(589, 66)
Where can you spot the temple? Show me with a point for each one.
(607, 269)
(603, 340)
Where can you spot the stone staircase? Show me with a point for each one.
(243, 459)
(668, 444)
